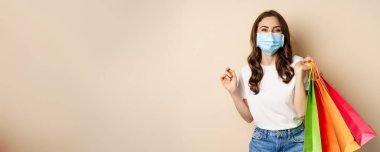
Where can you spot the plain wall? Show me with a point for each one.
(143, 76)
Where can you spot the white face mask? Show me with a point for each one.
(269, 43)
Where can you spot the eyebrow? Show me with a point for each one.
(268, 27)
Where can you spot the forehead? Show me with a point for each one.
(270, 21)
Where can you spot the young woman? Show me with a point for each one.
(271, 90)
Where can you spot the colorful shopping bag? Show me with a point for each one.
(345, 139)
(359, 129)
(312, 139)
(328, 134)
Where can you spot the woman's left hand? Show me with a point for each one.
(302, 66)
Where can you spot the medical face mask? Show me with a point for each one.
(269, 43)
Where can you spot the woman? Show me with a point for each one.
(271, 87)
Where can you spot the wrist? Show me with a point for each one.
(300, 74)
(234, 93)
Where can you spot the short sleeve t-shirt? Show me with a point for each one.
(272, 108)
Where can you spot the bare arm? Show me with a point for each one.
(300, 100)
(242, 107)
(229, 81)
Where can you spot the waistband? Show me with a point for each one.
(281, 133)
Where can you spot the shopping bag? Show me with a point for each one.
(345, 139)
(359, 129)
(328, 134)
(312, 139)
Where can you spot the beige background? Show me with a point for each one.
(143, 76)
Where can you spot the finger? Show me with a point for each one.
(228, 74)
(222, 77)
(233, 73)
(311, 61)
(308, 58)
(304, 61)
(228, 78)
(225, 77)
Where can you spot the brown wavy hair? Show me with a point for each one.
(284, 54)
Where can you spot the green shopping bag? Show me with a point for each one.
(312, 142)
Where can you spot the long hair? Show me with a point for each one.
(284, 54)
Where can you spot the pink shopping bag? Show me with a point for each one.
(361, 131)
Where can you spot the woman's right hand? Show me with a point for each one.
(229, 80)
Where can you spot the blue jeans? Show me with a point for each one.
(288, 140)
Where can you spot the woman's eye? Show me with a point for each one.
(264, 30)
(278, 30)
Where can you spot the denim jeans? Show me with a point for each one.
(288, 140)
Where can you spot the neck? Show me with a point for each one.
(268, 60)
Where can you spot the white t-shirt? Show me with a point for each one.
(272, 108)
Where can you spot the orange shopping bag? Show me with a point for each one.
(345, 139)
(328, 134)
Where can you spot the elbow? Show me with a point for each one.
(249, 120)
(300, 114)
(301, 110)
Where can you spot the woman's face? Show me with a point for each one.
(269, 24)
